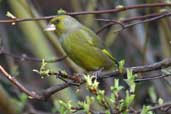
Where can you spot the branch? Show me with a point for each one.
(152, 77)
(145, 18)
(134, 18)
(166, 14)
(109, 25)
(120, 9)
(141, 69)
(44, 95)
(31, 94)
(116, 10)
(159, 107)
(24, 57)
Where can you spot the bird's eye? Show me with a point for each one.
(56, 22)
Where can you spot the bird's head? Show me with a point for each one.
(62, 24)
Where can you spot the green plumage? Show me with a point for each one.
(82, 45)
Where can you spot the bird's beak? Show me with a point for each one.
(50, 27)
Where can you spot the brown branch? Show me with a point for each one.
(161, 106)
(45, 94)
(31, 94)
(148, 20)
(142, 17)
(116, 10)
(152, 77)
(109, 25)
(158, 107)
(141, 69)
(145, 18)
(133, 18)
(24, 57)
(15, 20)
(104, 27)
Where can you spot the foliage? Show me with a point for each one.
(112, 103)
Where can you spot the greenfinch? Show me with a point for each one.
(81, 44)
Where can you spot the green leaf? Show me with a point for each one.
(126, 102)
(61, 12)
(160, 101)
(64, 107)
(131, 80)
(146, 110)
(152, 94)
(86, 104)
(9, 14)
(121, 66)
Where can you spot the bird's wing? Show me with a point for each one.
(94, 40)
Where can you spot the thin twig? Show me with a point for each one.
(141, 69)
(44, 95)
(24, 57)
(142, 17)
(152, 78)
(31, 94)
(116, 10)
(133, 18)
(111, 23)
(158, 107)
(148, 18)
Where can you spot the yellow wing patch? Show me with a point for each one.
(108, 54)
(90, 42)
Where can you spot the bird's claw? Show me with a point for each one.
(97, 73)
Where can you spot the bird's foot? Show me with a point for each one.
(97, 73)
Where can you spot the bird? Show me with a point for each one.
(83, 46)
